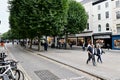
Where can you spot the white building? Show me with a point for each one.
(104, 21)
(116, 17)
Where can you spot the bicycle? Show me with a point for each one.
(9, 71)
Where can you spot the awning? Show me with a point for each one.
(84, 34)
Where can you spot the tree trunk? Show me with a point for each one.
(31, 43)
(66, 40)
(39, 44)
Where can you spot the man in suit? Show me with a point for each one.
(91, 54)
(99, 53)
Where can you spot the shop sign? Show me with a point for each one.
(101, 36)
(83, 34)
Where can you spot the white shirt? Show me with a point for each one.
(100, 50)
(2, 49)
(93, 50)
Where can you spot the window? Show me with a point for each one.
(117, 3)
(98, 7)
(88, 15)
(118, 28)
(106, 5)
(99, 28)
(118, 15)
(117, 43)
(107, 14)
(107, 27)
(99, 16)
(87, 26)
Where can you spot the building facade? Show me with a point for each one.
(116, 24)
(104, 22)
(87, 33)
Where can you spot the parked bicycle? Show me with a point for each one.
(9, 70)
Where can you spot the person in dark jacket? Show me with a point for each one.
(99, 53)
(45, 46)
(91, 54)
(83, 46)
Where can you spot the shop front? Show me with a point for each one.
(83, 38)
(116, 42)
(72, 40)
(102, 39)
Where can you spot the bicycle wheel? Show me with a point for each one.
(19, 75)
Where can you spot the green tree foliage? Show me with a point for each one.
(16, 20)
(4, 36)
(45, 17)
(77, 18)
(31, 18)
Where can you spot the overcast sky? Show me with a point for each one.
(4, 26)
(4, 16)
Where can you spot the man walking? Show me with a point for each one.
(99, 53)
(91, 52)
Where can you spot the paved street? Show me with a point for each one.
(38, 68)
(109, 69)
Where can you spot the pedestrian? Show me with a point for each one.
(99, 53)
(108, 46)
(83, 46)
(70, 45)
(91, 54)
(17, 42)
(45, 46)
(2, 46)
(3, 50)
(13, 42)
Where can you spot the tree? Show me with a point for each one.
(32, 18)
(77, 18)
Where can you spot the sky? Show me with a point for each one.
(4, 16)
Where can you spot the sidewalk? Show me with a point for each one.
(10, 56)
(109, 69)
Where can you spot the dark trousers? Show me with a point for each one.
(99, 58)
(83, 48)
(91, 56)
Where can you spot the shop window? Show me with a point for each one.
(80, 41)
(107, 27)
(117, 43)
(100, 42)
(72, 40)
(99, 28)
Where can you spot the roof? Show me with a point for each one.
(86, 1)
